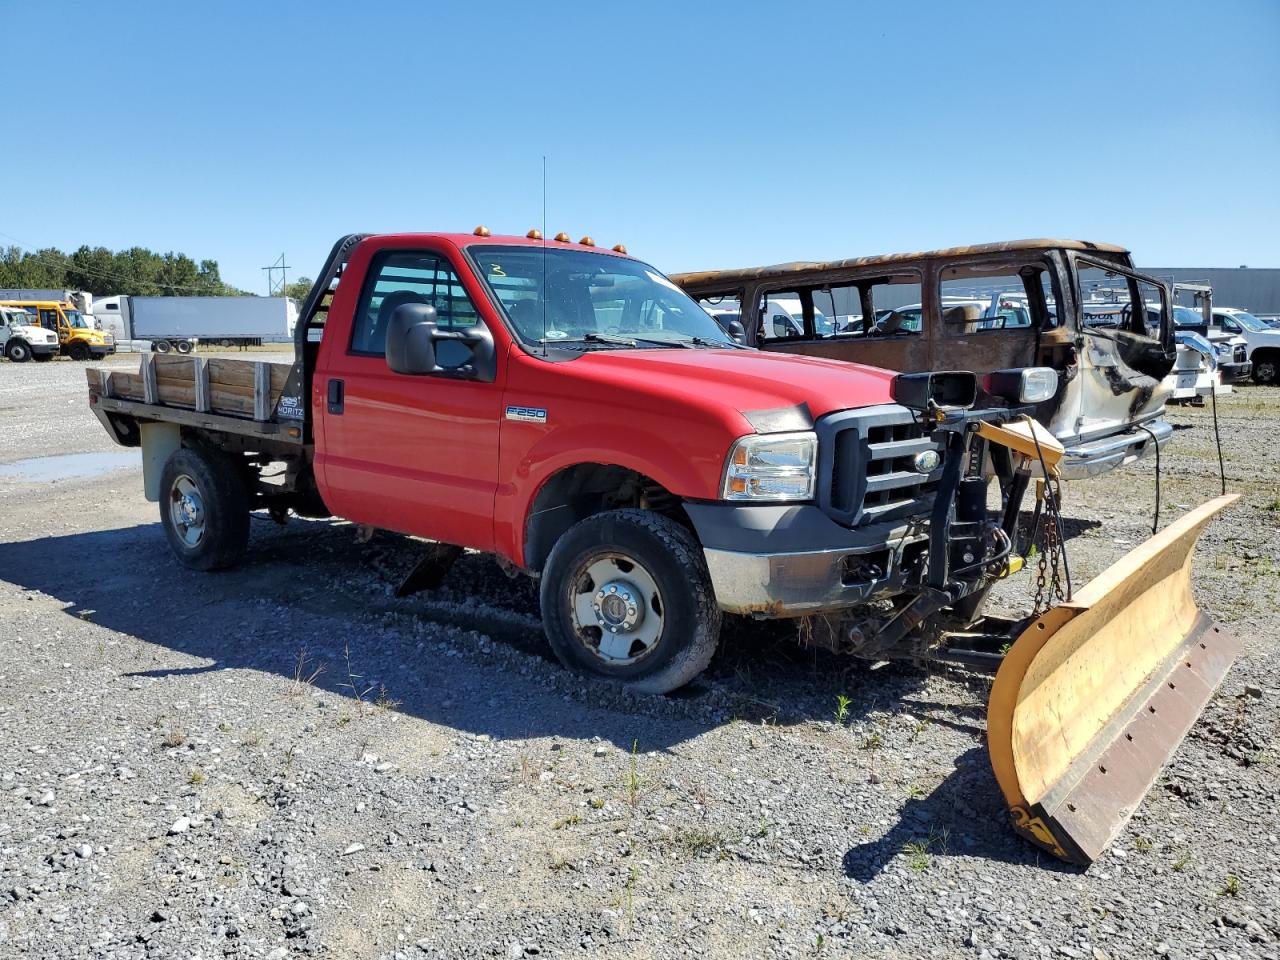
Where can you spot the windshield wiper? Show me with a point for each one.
(590, 338)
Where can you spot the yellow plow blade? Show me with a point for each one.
(1094, 696)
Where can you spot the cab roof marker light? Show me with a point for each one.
(586, 242)
(534, 234)
(563, 237)
(481, 231)
(620, 248)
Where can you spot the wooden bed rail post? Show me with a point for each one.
(261, 391)
(200, 374)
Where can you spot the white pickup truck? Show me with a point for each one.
(21, 340)
(1262, 339)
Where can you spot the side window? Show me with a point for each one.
(975, 298)
(1110, 299)
(1230, 325)
(397, 279)
(880, 306)
(725, 308)
(49, 319)
(781, 315)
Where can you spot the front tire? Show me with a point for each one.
(626, 596)
(78, 351)
(1266, 371)
(17, 351)
(204, 508)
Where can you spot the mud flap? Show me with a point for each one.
(1095, 695)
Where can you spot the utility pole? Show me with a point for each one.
(276, 288)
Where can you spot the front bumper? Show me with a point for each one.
(44, 349)
(1235, 372)
(1095, 457)
(792, 559)
(101, 349)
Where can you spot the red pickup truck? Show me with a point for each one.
(575, 412)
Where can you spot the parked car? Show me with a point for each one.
(985, 308)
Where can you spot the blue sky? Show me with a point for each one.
(701, 135)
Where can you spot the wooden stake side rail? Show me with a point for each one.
(235, 395)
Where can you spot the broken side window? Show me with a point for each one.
(872, 307)
(977, 298)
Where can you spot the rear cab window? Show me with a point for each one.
(397, 278)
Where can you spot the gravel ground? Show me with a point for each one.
(285, 760)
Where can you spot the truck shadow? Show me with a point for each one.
(956, 819)
(311, 606)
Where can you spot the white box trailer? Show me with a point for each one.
(179, 323)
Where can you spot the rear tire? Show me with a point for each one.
(647, 574)
(204, 508)
(162, 346)
(78, 351)
(183, 346)
(17, 351)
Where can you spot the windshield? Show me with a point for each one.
(1184, 317)
(555, 295)
(1247, 320)
(76, 319)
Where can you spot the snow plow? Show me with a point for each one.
(1096, 693)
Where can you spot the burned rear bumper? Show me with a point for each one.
(792, 559)
(1089, 459)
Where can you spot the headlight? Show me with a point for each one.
(771, 466)
(1022, 385)
(1223, 349)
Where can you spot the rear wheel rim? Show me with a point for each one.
(17, 353)
(1266, 371)
(186, 510)
(617, 610)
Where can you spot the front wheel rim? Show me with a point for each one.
(186, 510)
(617, 610)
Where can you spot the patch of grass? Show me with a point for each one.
(1142, 845)
(762, 829)
(920, 727)
(596, 803)
(570, 821)
(917, 854)
(224, 727)
(695, 841)
(1181, 863)
(842, 708)
(196, 777)
(254, 738)
(872, 741)
(632, 784)
(1231, 887)
(383, 701)
(174, 738)
(915, 791)
(305, 673)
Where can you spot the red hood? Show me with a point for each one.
(745, 380)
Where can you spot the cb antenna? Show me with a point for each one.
(544, 255)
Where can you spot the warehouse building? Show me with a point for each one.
(1247, 288)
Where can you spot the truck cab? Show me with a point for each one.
(984, 308)
(77, 336)
(1263, 340)
(21, 340)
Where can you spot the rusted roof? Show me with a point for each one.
(701, 277)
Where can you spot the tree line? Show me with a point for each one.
(135, 272)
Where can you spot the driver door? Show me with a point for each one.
(418, 454)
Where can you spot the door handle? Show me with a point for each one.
(337, 394)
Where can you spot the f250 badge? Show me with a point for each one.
(527, 414)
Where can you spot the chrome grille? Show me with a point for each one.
(865, 472)
(1238, 355)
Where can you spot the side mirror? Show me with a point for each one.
(736, 330)
(411, 339)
